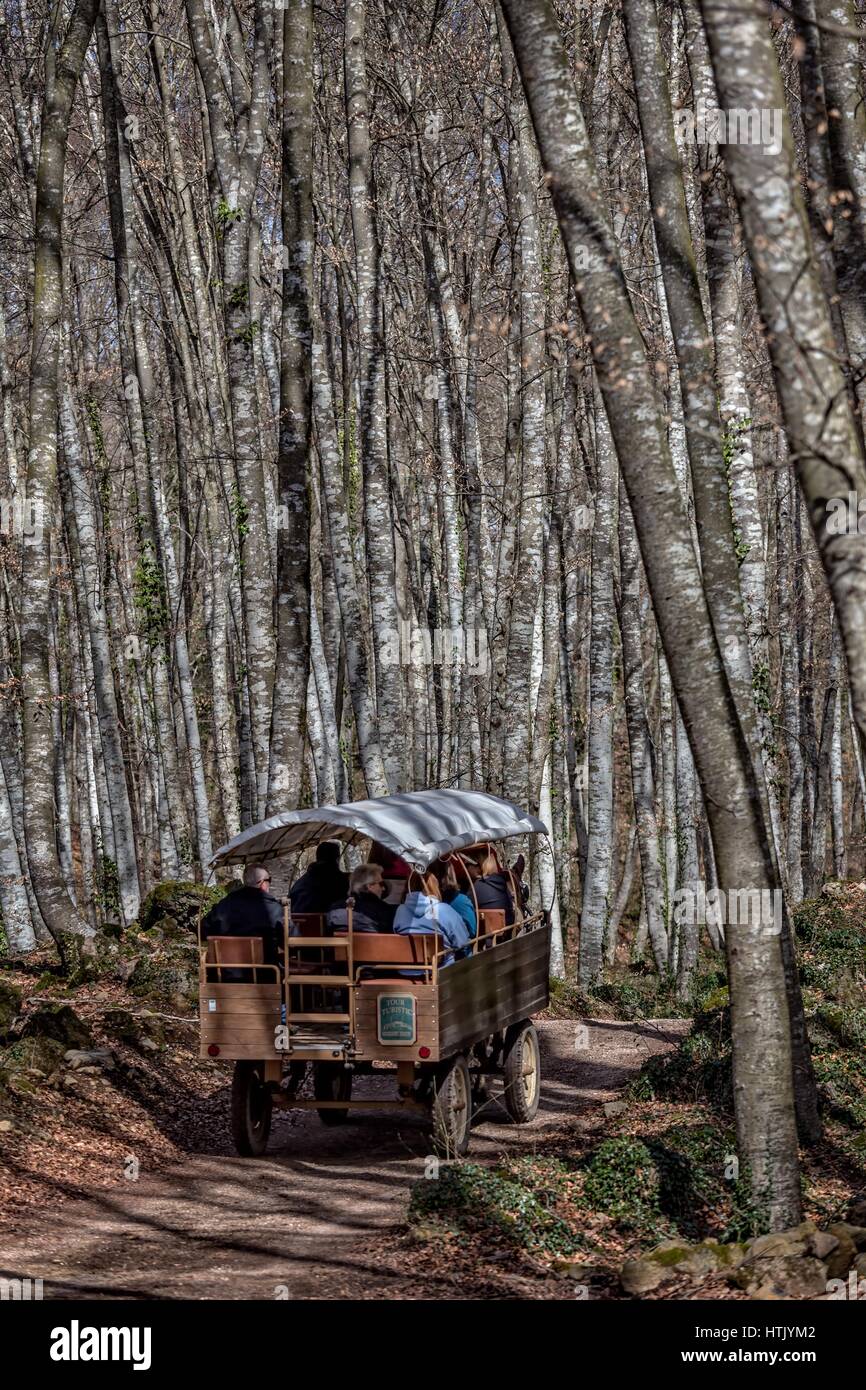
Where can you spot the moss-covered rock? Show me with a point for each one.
(166, 978)
(177, 903)
(10, 1006)
(134, 1029)
(60, 1023)
(36, 1054)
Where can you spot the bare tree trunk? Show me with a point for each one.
(38, 769)
(295, 432)
(762, 1054)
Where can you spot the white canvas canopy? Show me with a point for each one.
(419, 826)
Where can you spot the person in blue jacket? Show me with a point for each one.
(423, 912)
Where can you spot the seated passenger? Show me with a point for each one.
(491, 888)
(248, 911)
(369, 912)
(518, 869)
(324, 882)
(424, 913)
(453, 895)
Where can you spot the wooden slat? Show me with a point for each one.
(221, 990)
(243, 1031)
(319, 1018)
(230, 1008)
(240, 1052)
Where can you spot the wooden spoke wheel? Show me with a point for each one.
(251, 1109)
(452, 1110)
(522, 1072)
(332, 1081)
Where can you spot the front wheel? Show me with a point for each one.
(251, 1109)
(522, 1072)
(332, 1081)
(452, 1110)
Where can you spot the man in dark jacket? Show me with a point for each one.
(248, 911)
(324, 882)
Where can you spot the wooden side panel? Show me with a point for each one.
(240, 1019)
(493, 989)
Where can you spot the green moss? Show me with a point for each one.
(699, 1069)
(178, 900)
(671, 1255)
(10, 1006)
(675, 1183)
(466, 1198)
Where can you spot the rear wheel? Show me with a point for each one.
(251, 1109)
(452, 1110)
(332, 1081)
(522, 1072)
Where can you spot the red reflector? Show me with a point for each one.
(213, 1050)
(423, 1052)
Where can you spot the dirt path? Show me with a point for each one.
(305, 1221)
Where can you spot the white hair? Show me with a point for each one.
(254, 874)
(363, 876)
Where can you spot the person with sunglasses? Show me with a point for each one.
(248, 911)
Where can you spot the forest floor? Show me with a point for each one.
(322, 1216)
(118, 1177)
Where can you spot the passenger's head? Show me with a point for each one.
(367, 878)
(489, 865)
(430, 884)
(328, 852)
(448, 879)
(472, 867)
(257, 876)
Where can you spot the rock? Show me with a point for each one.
(699, 1262)
(822, 1244)
(612, 1108)
(852, 1239)
(179, 901)
(856, 1213)
(164, 978)
(783, 1276)
(92, 1059)
(34, 1056)
(785, 1264)
(781, 1243)
(6, 1126)
(60, 1023)
(10, 1006)
(142, 1030)
(642, 1276)
(574, 1269)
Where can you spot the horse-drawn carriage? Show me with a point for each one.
(348, 1002)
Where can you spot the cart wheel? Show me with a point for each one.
(452, 1110)
(332, 1081)
(522, 1072)
(251, 1109)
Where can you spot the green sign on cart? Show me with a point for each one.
(396, 1018)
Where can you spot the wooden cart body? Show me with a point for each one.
(452, 1007)
(353, 1001)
